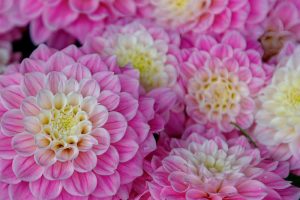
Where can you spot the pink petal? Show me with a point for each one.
(5, 5)
(93, 62)
(204, 22)
(10, 79)
(245, 74)
(4, 190)
(52, 16)
(59, 170)
(274, 181)
(247, 105)
(85, 162)
(31, 8)
(146, 107)
(107, 185)
(165, 98)
(252, 189)
(45, 189)
(77, 71)
(56, 82)
(58, 61)
(86, 143)
(108, 162)
(136, 170)
(194, 194)
(89, 88)
(99, 116)
(83, 6)
(24, 144)
(127, 148)
(109, 99)
(222, 51)
(42, 52)
(33, 83)
(205, 42)
(73, 51)
(6, 173)
(6, 149)
(116, 125)
(218, 6)
(140, 126)
(32, 125)
(103, 138)
(126, 7)
(255, 85)
(169, 193)
(20, 188)
(222, 21)
(234, 39)
(259, 10)
(174, 163)
(12, 122)
(45, 157)
(12, 96)
(66, 196)
(177, 180)
(128, 106)
(108, 81)
(26, 168)
(81, 184)
(129, 85)
(39, 33)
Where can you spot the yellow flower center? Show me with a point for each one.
(180, 3)
(293, 97)
(64, 120)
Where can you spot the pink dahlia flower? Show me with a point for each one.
(221, 79)
(206, 166)
(214, 16)
(75, 17)
(281, 29)
(71, 128)
(277, 119)
(146, 47)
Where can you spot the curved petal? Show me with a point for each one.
(59, 171)
(89, 87)
(108, 81)
(20, 188)
(128, 106)
(6, 149)
(103, 138)
(33, 83)
(45, 157)
(32, 125)
(12, 96)
(6, 173)
(45, 99)
(108, 162)
(45, 189)
(77, 71)
(29, 107)
(107, 185)
(99, 116)
(136, 169)
(12, 122)
(58, 61)
(85, 162)
(26, 168)
(87, 6)
(24, 144)
(116, 125)
(126, 148)
(56, 82)
(81, 184)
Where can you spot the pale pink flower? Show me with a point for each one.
(200, 16)
(280, 30)
(221, 79)
(143, 45)
(71, 128)
(277, 119)
(76, 18)
(204, 165)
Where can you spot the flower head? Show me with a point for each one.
(221, 79)
(67, 120)
(206, 15)
(148, 48)
(205, 166)
(278, 118)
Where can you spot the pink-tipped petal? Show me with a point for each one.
(45, 189)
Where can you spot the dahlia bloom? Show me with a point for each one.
(278, 118)
(71, 128)
(221, 79)
(205, 15)
(146, 47)
(280, 30)
(74, 17)
(207, 166)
